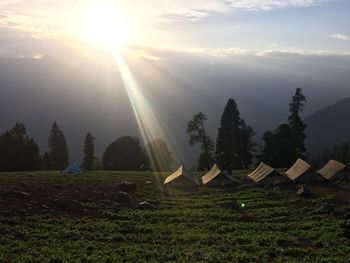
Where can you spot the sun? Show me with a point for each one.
(106, 29)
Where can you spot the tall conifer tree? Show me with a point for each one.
(89, 152)
(18, 152)
(248, 146)
(58, 151)
(234, 145)
(296, 123)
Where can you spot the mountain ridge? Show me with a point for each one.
(328, 126)
(83, 97)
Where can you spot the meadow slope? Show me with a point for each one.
(50, 217)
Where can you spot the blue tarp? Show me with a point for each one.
(74, 168)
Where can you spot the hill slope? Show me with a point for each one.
(50, 217)
(328, 126)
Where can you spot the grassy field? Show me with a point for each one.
(50, 217)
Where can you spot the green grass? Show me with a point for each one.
(185, 226)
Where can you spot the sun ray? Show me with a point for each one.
(149, 124)
(106, 29)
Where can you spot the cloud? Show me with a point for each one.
(341, 37)
(248, 58)
(237, 51)
(35, 15)
(258, 5)
(198, 9)
(192, 15)
(172, 22)
(16, 43)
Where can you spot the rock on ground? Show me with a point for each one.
(123, 196)
(126, 186)
(16, 193)
(145, 206)
(304, 191)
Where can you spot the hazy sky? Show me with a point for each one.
(36, 27)
(192, 53)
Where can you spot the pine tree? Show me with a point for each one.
(89, 152)
(196, 131)
(295, 122)
(18, 152)
(279, 150)
(342, 153)
(32, 153)
(247, 144)
(58, 151)
(228, 141)
(46, 162)
(18, 130)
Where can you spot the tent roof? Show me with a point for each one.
(74, 168)
(261, 172)
(213, 173)
(331, 168)
(181, 172)
(299, 168)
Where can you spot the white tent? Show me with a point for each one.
(301, 172)
(182, 178)
(266, 175)
(333, 170)
(216, 177)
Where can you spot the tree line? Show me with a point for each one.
(19, 152)
(234, 147)
(339, 152)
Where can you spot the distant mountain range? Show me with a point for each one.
(86, 97)
(328, 126)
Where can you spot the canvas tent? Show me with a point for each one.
(333, 170)
(301, 172)
(74, 169)
(266, 175)
(215, 177)
(182, 178)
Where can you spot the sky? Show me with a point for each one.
(220, 27)
(61, 55)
